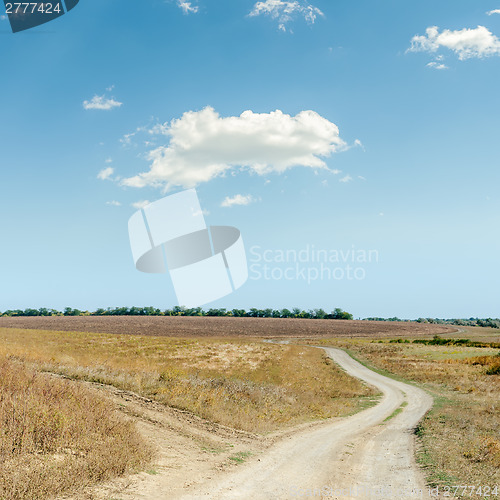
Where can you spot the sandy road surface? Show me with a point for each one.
(354, 457)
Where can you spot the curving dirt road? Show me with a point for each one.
(355, 457)
(363, 456)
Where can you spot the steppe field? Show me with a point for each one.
(192, 407)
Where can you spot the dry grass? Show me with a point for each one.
(56, 436)
(460, 437)
(248, 385)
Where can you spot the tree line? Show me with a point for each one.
(484, 322)
(337, 313)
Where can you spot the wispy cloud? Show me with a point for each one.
(284, 11)
(238, 199)
(346, 178)
(203, 145)
(102, 102)
(466, 43)
(187, 7)
(105, 173)
(114, 203)
(494, 11)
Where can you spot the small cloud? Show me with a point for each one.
(114, 203)
(346, 178)
(266, 182)
(359, 144)
(285, 11)
(465, 43)
(360, 177)
(238, 199)
(140, 204)
(491, 12)
(108, 160)
(101, 103)
(110, 89)
(187, 7)
(324, 183)
(381, 214)
(436, 65)
(105, 173)
(3, 18)
(335, 171)
(126, 140)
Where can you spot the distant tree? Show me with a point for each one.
(338, 313)
(253, 313)
(239, 313)
(285, 313)
(319, 314)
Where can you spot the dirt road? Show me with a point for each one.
(363, 456)
(356, 457)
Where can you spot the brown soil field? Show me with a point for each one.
(196, 326)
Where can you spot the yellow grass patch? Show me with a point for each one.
(56, 436)
(244, 384)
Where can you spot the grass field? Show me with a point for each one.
(460, 436)
(249, 385)
(56, 436)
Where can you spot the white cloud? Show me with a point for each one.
(141, 204)
(105, 173)
(494, 11)
(436, 65)
(102, 103)
(108, 160)
(466, 43)
(360, 177)
(203, 145)
(126, 140)
(285, 11)
(238, 199)
(3, 17)
(187, 7)
(114, 203)
(346, 178)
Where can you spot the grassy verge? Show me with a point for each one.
(250, 385)
(460, 436)
(56, 436)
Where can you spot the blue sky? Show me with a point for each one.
(385, 139)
